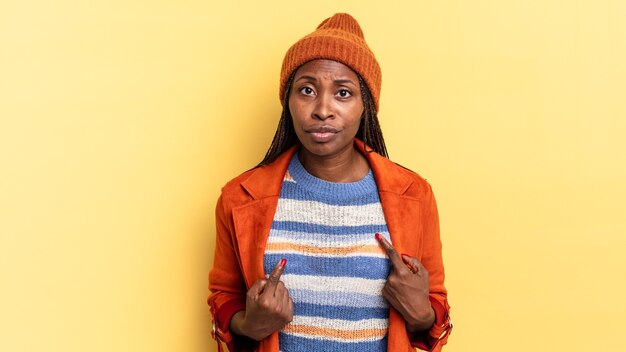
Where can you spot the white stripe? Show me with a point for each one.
(333, 284)
(313, 238)
(325, 241)
(336, 339)
(329, 215)
(340, 324)
(328, 255)
(337, 299)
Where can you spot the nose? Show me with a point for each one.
(324, 107)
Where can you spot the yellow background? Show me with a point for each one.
(121, 120)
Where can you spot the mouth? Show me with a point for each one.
(322, 129)
(322, 134)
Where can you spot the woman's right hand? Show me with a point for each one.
(268, 307)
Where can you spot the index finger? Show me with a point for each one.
(274, 276)
(393, 255)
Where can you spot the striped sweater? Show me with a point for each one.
(335, 268)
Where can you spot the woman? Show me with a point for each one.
(327, 215)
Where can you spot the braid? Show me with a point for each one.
(369, 130)
(285, 136)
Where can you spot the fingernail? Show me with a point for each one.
(378, 236)
(283, 262)
(405, 255)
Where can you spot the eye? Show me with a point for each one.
(344, 93)
(306, 90)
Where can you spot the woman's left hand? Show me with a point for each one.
(407, 288)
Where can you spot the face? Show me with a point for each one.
(326, 107)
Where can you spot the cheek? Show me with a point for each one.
(356, 117)
(297, 111)
(291, 107)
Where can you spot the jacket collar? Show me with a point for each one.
(258, 187)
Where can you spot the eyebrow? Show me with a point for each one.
(308, 78)
(343, 81)
(313, 79)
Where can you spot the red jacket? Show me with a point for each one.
(244, 216)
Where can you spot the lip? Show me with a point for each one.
(321, 129)
(322, 134)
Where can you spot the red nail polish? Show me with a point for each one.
(378, 236)
(283, 262)
(405, 255)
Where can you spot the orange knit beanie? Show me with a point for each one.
(337, 38)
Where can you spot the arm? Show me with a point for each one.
(241, 316)
(415, 288)
(436, 336)
(226, 283)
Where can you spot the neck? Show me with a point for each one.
(348, 166)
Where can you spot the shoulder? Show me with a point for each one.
(409, 173)
(419, 187)
(234, 185)
(396, 178)
(233, 194)
(260, 182)
(253, 184)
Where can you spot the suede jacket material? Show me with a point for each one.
(244, 215)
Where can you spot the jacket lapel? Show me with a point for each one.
(401, 211)
(253, 219)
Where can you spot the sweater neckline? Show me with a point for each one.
(314, 184)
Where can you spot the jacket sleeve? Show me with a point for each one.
(226, 284)
(433, 339)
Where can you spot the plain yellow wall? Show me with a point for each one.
(121, 120)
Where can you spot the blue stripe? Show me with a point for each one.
(291, 343)
(339, 312)
(348, 299)
(331, 230)
(358, 267)
(292, 190)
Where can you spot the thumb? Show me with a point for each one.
(412, 263)
(257, 288)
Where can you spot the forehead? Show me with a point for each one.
(326, 68)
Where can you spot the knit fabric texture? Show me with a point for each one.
(335, 268)
(337, 38)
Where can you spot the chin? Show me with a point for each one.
(324, 149)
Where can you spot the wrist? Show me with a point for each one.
(421, 322)
(237, 322)
(239, 326)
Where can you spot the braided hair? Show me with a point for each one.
(369, 129)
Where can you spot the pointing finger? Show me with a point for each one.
(274, 277)
(393, 255)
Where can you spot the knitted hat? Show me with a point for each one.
(337, 38)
